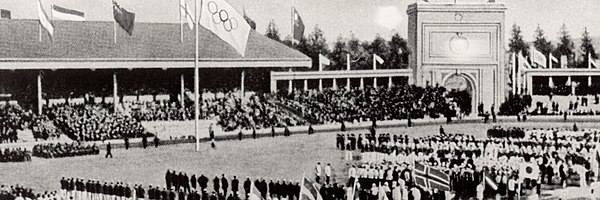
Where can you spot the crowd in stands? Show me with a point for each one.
(399, 102)
(14, 155)
(93, 122)
(12, 118)
(387, 160)
(59, 150)
(159, 111)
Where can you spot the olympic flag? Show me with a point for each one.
(44, 20)
(223, 20)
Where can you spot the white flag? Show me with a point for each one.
(323, 61)
(223, 20)
(552, 60)
(523, 64)
(186, 13)
(376, 60)
(44, 20)
(538, 57)
(591, 62)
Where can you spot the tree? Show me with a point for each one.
(517, 44)
(317, 44)
(272, 31)
(541, 43)
(398, 51)
(565, 45)
(338, 54)
(251, 22)
(587, 47)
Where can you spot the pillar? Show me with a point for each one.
(335, 86)
(589, 81)
(320, 84)
(39, 93)
(115, 95)
(290, 86)
(273, 85)
(390, 84)
(550, 82)
(375, 82)
(348, 84)
(362, 83)
(305, 84)
(182, 97)
(529, 85)
(242, 86)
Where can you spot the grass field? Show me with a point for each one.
(271, 158)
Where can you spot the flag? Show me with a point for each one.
(538, 58)
(430, 178)
(186, 13)
(523, 64)
(591, 61)
(5, 14)
(298, 25)
(552, 60)
(124, 18)
(376, 60)
(309, 190)
(323, 61)
(223, 20)
(529, 170)
(489, 181)
(67, 14)
(254, 190)
(44, 20)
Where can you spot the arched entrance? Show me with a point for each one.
(462, 88)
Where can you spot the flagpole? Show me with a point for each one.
(180, 23)
(301, 185)
(115, 32)
(40, 32)
(196, 78)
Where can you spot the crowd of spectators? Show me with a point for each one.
(12, 118)
(14, 155)
(399, 102)
(159, 111)
(93, 122)
(17, 192)
(59, 150)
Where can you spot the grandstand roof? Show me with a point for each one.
(90, 44)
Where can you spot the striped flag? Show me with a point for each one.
(489, 181)
(430, 178)
(552, 60)
(44, 20)
(309, 190)
(67, 14)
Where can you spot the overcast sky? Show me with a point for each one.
(365, 18)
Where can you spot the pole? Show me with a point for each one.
(115, 32)
(40, 32)
(182, 100)
(348, 61)
(196, 80)
(39, 92)
(242, 88)
(180, 23)
(301, 185)
(115, 97)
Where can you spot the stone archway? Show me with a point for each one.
(463, 82)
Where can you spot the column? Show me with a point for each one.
(362, 83)
(115, 97)
(305, 84)
(39, 92)
(348, 84)
(320, 84)
(569, 83)
(529, 85)
(390, 84)
(242, 86)
(550, 82)
(375, 82)
(589, 81)
(273, 85)
(290, 86)
(335, 86)
(182, 97)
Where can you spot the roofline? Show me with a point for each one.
(145, 63)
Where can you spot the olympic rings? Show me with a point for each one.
(222, 16)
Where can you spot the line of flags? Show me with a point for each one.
(538, 59)
(323, 60)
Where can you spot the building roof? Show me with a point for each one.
(151, 42)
